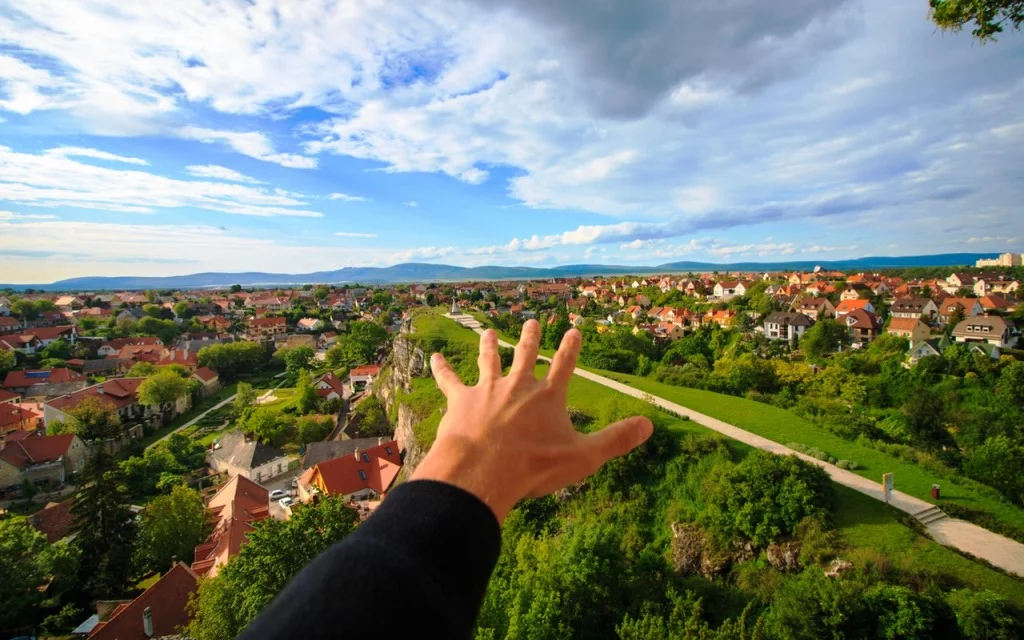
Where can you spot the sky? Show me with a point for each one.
(159, 138)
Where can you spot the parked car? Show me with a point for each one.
(295, 483)
(286, 502)
(277, 494)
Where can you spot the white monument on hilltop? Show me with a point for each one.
(455, 307)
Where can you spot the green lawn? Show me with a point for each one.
(205, 404)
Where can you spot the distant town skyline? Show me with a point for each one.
(157, 140)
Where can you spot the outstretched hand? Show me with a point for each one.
(510, 437)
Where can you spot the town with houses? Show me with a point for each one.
(261, 402)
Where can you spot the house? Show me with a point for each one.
(816, 308)
(5, 306)
(331, 387)
(131, 314)
(236, 454)
(723, 318)
(669, 331)
(992, 330)
(786, 325)
(238, 504)
(927, 348)
(53, 521)
(914, 308)
(957, 281)
(160, 612)
(40, 458)
(729, 288)
(849, 294)
(121, 394)
(9, 325)
(181, 357)
(966, 307)
(113, 347)
(910, 328)
(207, 377)
(327, 339)
(69, 303)
(261, 328)
(864, 326)
(996, 302)
(847, 306)
(298, 340)
(363, 376)
(365, 474)
(49, 335)
(310, 324)
(26, 344)
(317, 452)
(986, 285)
(15, 418)
(45, 382)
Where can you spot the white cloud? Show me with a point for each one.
(10, 215)
(352, 234)
(218, 173)
(254, 144)
(994, 240)
(66, 152)
(346, 197)
(411, 204)
(423, 253)
(57, 181)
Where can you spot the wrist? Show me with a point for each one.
(460, 462)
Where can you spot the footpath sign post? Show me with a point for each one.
(887, 486)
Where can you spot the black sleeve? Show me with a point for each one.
(420, 564)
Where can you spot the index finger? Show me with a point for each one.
(526, 351)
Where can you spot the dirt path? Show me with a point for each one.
(999, 550)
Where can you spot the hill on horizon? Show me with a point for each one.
(416, 272)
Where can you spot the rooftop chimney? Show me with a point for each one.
(147, 622)
(357, 454)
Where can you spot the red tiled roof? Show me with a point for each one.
(903, 324)
(54, 521)
(235, 506)
(861, 319)
(331, 381)
(267, 322)
(205, 374)
(178, 356)
(50, 333)
(18, 379)
(119, 392)
(847, 306)
(996, 303)
(36, 449)
(166, 600)
(341, 476)
(6, 322)
(120, 343)
(365, 370)
(12, 415)
(7, 396)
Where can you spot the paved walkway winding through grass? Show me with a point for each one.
(998, 550)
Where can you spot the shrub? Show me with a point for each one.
(981, 614)
(849, 465)
(766, 496)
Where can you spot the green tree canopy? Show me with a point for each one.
(298, 358)
(162, 387)
(93, 418)
(313, 428)
(245, 398)
(306, 399)
(170, 527)
(7, 361)
(264, 424)
(233, 359)
(59, 349)
(104, 526)
(990, 17)
(27, 563)
(140, 370)
(824, 338)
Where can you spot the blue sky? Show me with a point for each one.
(168, 138)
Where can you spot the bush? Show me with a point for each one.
(981, 614)
(849, 465)
(766, 496)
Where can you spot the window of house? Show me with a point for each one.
(388, 449)
(366, 458)
(362, 475)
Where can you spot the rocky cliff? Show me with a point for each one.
(405, 363)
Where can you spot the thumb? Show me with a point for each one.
(617, 439)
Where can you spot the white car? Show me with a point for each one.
(286, 502)
(277, 494)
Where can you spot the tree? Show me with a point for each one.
(93, 419)
(245, 398)
(235, 288)
(27, 564)
(162, 388)
(551, 333)
(988, 16)
(305, 395)
(998, 463)
(7, 361)
(140, 370)
(320, 293)
(183, 309)
(824, 338)
(767, 496)
(925, 414)
(263, 424)
(59, 349)
(981, 615)
(336, 356)
(373, 419)
(298, 358)
(166, 330)
(276, 550)
(313, 428)
(232, 359)
(171, 526)
(104, 526)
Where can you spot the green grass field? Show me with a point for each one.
(870, 531)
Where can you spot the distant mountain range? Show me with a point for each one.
(414, 272)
